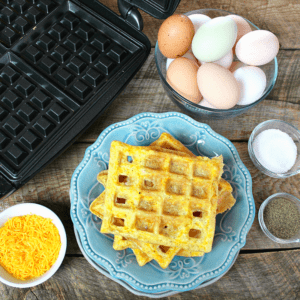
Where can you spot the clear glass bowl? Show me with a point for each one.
(263, 226)
(292, 131)
(270, 69)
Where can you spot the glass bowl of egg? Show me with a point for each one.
(215, 64)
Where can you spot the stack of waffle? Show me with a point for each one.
(161, 200)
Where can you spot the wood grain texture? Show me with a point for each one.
(278, 16)
(51, 188)
(146, 94)
(263, 270)
(272, 275)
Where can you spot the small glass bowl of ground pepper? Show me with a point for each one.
(279, 218)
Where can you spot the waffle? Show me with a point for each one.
(102, 177)
(161, 197)
(141, 257)
(120, 243)
(97, 206)
(158, 252)
(145, 251)
(167, 141)
(225, 199)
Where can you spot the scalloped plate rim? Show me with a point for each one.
(243, 233)
(125, 284)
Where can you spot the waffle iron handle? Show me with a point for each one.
(131, 14)
(6, 188)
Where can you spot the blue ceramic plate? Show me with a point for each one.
(183, 273)
(103, 271)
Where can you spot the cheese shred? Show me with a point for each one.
(29, 246)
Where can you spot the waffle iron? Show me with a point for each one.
(62, 64)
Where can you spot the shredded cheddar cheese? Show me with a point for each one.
(29, 246)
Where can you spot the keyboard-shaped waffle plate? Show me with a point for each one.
(62, 64)
(17, 17)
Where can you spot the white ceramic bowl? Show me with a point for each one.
(37, 209)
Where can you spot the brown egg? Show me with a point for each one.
(218, 86)
(175, 36)
(182, 76)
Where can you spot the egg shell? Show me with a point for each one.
(205, 103)
(218, 86)
(188, 55)
(182, 76)
(198, 20)
(252, 82)
(235, 65)
(214, 39)
(257, 47)
(175, 36)
(243, 28)
(225, 61)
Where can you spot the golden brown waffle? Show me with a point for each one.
(97, 206)
(120, 243)
(162, 254)
(225, 199)
(102, 177)
(144, 252)
(167, 141)
(161, 197)
(141, 257)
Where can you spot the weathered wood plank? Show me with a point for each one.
(51, 188)
(272, 275)
(146, 94)
(280, 17)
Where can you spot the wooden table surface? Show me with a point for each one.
(263, 270)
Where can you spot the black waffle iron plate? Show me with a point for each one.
(62, 64)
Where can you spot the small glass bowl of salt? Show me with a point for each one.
(274, 148)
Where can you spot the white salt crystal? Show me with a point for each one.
(275, 150)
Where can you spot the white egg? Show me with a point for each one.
(252, 82)
(205, 103)
(188, 55)
(224, 61)
(198, 20)
(257, 48)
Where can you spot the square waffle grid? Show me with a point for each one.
(29, 114)
(37, 109)
(161, 198)
(17, 17)
(76, 56)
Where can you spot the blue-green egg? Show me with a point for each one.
(214, 39)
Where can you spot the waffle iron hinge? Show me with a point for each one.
(131, 14)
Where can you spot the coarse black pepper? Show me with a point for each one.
(282, 218)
